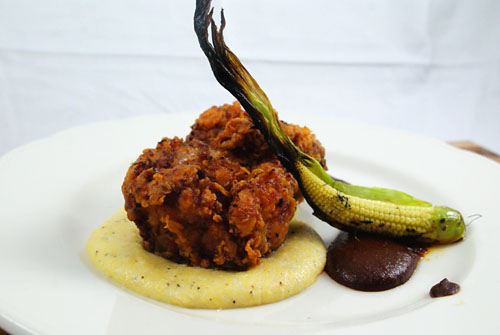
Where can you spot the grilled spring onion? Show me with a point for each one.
(347, 207)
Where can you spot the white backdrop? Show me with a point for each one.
(427, 66)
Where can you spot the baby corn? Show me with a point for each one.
(344, 206)
(424, 222)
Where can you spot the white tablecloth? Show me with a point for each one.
(427, 66)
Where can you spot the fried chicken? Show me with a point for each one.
(218, 199)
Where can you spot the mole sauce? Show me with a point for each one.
(444, 288)
(371, 263)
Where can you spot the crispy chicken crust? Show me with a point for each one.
(218, 199)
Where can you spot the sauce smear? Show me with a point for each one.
(371, 263)
(444, 288)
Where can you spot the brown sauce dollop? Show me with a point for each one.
(444, 288)
(370, 263)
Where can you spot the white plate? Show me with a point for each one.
(55, 191)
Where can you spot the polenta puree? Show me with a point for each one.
(115, 249)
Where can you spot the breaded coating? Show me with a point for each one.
(230, 128)
(218, 199)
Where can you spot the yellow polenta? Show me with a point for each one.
(115, 249)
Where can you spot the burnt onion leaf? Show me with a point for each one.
(234, 77)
